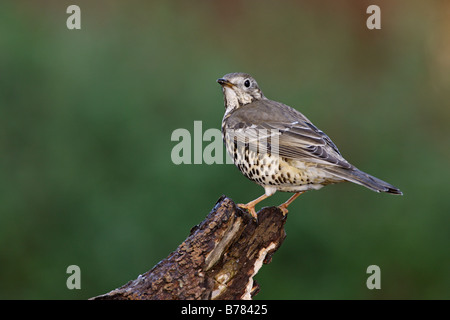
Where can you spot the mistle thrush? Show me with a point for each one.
(277, 147)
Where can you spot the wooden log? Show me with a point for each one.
(218, 260)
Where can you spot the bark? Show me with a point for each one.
(218, 260)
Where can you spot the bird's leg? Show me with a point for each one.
(284, 206)
(251, 205)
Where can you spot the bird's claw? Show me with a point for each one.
(283, 209)
(250, 209)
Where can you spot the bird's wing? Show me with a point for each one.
(274, 127)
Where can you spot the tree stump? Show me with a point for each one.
(218, 259)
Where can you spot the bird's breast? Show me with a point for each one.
(271, 170)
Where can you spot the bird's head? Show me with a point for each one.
(239, 89)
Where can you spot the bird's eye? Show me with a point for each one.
(247, 83)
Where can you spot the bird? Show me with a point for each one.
(278, 148)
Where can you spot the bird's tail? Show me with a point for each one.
(357, 176)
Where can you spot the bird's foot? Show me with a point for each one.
(250, 209)
(283, 209)
(251, 206)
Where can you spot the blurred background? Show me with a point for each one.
(86, 118)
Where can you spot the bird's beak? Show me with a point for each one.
(225, 83)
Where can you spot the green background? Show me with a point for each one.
(86, 118)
